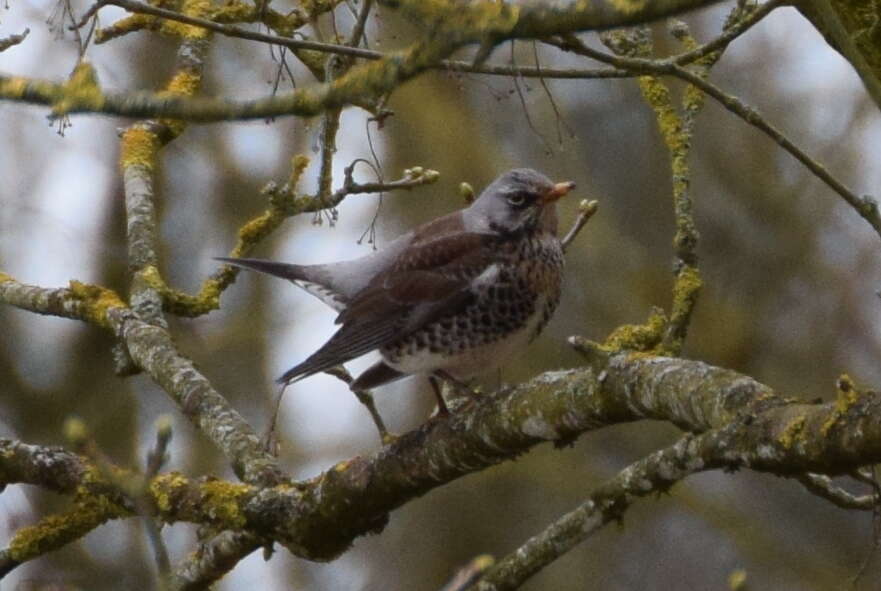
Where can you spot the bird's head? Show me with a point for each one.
(520, 200)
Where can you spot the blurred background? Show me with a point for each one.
(790, 279)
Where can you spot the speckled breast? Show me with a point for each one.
(509, 308)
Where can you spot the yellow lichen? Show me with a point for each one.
(14, 87)
(638, 337)
(164, 487)
(55, 531)
(233, 12)
(184, 304)
(52, 532)
(792, 432)
(4, 277)
(81, 89)
(97, 300)
(220, 500)
(847, 396)
(150, 275)
(195, 8)
(628, 7)
(178, 302)
(135, 22)
(209, 295)
(688, 284)
(185, 82)
(298, 165)
(138, 147)
(257, 228)
(657, 95)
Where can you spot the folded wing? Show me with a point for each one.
(428, 281)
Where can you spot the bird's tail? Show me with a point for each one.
(283, 270)
(313, 278)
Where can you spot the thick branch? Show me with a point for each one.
(152, 348)
(543, 18)
(750, 425)
(455, 25)
(852, 29)
(13, 40)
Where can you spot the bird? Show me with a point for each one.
(455, 297)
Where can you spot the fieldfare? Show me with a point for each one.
(453, 298)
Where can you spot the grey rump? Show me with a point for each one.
(455, 297)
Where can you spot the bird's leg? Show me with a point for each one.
(269, 441)
(364, 397)
(442, 409)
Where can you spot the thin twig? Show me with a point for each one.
(586, 209)
(156, 457)
(606, 503)
(866, 206)
(822, 486)
(516, 80)
(413, 177)
(559, 118)
(13, 40)
(728, 35)
(357, 34)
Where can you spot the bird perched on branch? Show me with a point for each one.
(455, 297)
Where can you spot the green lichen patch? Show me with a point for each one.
(97, 301)
(643, 338)
(81, 89)
(138, 147)
(56, 531)
(220, 501)
(793, 432)
(847, 396)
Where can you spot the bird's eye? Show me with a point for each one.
(517, 199)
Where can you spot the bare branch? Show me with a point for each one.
(153, 349)
(460, 28)
(13, 40)
(822, 486)
(866, 206)
(747, 425)
(656, 472)
(586, 209)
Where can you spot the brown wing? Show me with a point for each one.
(429, 280)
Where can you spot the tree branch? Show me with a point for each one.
(152, 348)
(13, 40)
(747, 424)
(866, 206)
(457, 25)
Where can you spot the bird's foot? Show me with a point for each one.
(464, 395)
(461, 387)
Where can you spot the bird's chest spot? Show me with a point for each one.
(511, 305)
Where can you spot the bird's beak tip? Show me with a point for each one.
(558, 191)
